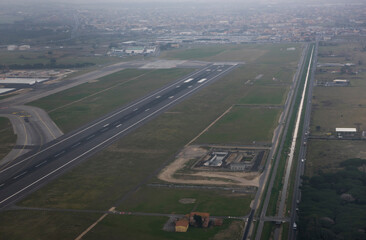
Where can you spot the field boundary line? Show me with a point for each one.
(94, 224)
(209, 126)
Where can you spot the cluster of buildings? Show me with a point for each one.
(196, 219)
(235, 160)
(133, 50)
(230, 22)
(16, 47)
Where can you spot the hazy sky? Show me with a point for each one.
(180, 1)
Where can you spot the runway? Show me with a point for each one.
(35, 169)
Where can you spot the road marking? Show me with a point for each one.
(188, 80)
(190, 86)
(119, 125)
(111, 116)
(2, 184)
(90, 137)
(20, 175)
(177, 86)
(157, 96)
(75, 145)
(147, 109)
(105, 141)
(171, 97)
(58, 154)
(135, 109)
(41, 163)
(104, 129)
(106, 125)
(202, 80)
(53, 135)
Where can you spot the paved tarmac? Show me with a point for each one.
(36, 168)
(33, 128)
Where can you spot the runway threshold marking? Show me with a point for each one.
(105, 141)
(93, 125)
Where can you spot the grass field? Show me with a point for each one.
(30, 225)
(266, 53)
(107, 176)
(7, 137)
(243, 125)
(326, 155)
(149, 228)
(76, 106)
(166, 200)
(64, 56)
(337, 107)
(265, 95)
(132, 159)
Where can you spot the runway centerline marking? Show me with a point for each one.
(113, 115)
(114, 136)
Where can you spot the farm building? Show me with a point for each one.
(346, 132)
(182, 225)
(338, 83)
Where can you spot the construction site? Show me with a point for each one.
(217, 165)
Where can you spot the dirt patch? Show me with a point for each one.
(234, 231)
(168, 174)
(187, 200)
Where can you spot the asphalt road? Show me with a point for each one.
(276, 147)
(35, 169)
(303, 148)
(33, 128)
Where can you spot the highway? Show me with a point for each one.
(277, 145)
(36, 168)
(303, 148)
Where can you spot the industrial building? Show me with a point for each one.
(135, 50)
(338, 83)
(345, 132)
(216, 159)
(238, 166)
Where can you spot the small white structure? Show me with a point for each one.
(5, 90)
(150, 50)
(341, 132)
(30, 81)
(24, 47)
(12, 47)
(216, 160)
(346, 130)
(135, 50)
(341, 81)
